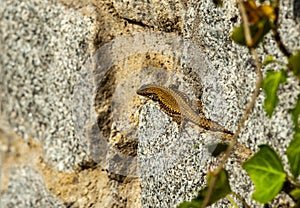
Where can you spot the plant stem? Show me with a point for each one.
(248, 109)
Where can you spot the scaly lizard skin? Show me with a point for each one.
(176, 105)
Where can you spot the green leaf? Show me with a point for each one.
(238, 35)
(192, 204)
(270, 86)
(296, 193)
(293, 154)
(220, 190)
(266, 171)
(268, 60)
(294, 63)
(295, 114)
(258, 31)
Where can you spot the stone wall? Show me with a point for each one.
(73, 131)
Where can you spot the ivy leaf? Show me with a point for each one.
(270, 86)
(238, 35)
(266, 171)
(295, 114)
(294, 63)
(296, 193)
(293, 154)
(268, 60)
(258, 31)
(192, 204)
(220, 190)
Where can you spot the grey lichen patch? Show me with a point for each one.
(44, 47)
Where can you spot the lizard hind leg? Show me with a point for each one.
(181, 123)
(179, 120)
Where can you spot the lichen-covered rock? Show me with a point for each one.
(69, 80)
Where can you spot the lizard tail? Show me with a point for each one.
(213, 126)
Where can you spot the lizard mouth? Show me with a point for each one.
(143, 89)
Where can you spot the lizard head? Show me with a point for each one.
(148, 91)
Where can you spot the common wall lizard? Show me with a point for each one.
(176, 104)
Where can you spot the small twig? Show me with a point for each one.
(248, 109)
(246, 24)
(241, 199)
(231, 200)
